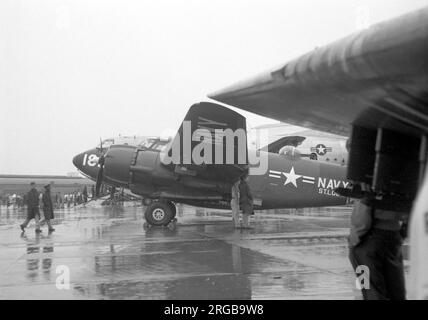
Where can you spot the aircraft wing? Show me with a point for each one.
(376, 77)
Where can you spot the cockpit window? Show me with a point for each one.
(153, 144)
(106, 143)
(158, 146)
(147, 143)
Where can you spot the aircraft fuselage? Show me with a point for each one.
(286, 182)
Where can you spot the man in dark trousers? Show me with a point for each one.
(245, 201)
(85, 194)
(48, 207)
(32, 208)
(375, 251)
(234, 203)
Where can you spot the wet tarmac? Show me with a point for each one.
(109, 255)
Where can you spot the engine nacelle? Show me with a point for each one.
(117, 162)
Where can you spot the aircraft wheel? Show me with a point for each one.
(159, 214)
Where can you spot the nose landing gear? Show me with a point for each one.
(160, 214)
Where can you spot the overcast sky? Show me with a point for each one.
(74, 71)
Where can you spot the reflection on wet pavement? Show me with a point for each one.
(110, 256)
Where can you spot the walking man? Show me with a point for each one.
(234, 203)
(245, 201)
(48, 207)
(32, 208)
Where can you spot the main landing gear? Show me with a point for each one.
(160, 214)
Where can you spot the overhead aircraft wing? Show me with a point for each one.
(210, 144)
(376, 77)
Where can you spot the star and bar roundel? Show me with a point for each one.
(294, 179)
(291, 177)
(320, 149)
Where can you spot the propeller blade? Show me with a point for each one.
(99, 176)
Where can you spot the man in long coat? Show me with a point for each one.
(48, 207)
(245, 201)
(234, 203)
(32, 208)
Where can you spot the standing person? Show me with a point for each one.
(245, 201)
(234, 203)
(48, 207)
(32, 208)
(85, 194)
(375, 244)
(74, 199)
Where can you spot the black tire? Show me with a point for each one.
(173, 208)
(158, 214)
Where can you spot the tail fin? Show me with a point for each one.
(210, 135)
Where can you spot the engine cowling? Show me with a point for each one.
(117, 162)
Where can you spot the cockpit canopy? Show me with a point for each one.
(154, 143)
(145, 142)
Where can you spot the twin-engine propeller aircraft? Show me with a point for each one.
(201, 163)
(373, 87)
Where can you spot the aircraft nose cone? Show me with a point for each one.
(87, 162)
(78, 160)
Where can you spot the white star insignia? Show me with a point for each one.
(291, 177)
(321, 150)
